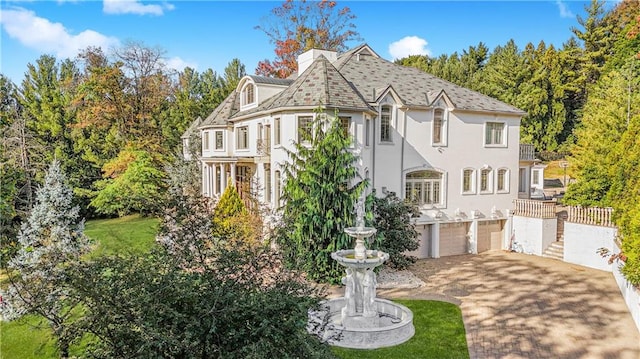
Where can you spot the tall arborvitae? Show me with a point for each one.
(320, 190)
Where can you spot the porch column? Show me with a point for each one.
(233, 173)
(223, 177)
(205, 177)
(435, 240)
(214, 179)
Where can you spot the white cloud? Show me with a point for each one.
(409, 45)
(134, 7)
(47, 37)
(179, 64)
(564, 10)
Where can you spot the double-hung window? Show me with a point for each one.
(385, 124)
(424, 187)
(494, 134)
(305, 128)
(242, 141)
(205, 140)
(486, 180)
(503, 181)
(219, 140)
(468, 181)
(276, 131)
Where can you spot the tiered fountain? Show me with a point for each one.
(359, 319)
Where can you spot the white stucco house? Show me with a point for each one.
(452, 150)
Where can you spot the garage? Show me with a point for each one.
(453, 238)
(490, 234)
(424, 236)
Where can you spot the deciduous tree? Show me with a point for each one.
(297, 26)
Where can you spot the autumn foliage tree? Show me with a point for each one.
(297, 26)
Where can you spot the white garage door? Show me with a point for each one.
(453, 238)
(489, 235)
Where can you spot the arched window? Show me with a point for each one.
(486, 180)
(503, 180)
(248, 94)
(424, 187)
(468, 181)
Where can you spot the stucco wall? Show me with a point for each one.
(630, 293)
(534, 235)
(582, 241)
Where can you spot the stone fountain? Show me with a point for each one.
(359, 319)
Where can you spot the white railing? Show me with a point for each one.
(535, 209)
(596, 216)
(527, 152)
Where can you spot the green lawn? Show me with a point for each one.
(439, 334)
(132, 234)
(439, 328)
(29, 337)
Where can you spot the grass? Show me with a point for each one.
(29, 337)
(554, 170)
(132, 234)
(439, 334)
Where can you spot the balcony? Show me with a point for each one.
(263, 147)
(527, 152)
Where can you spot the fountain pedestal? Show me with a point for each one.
(359, 319)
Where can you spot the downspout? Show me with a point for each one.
(404, 136)
(373, 155)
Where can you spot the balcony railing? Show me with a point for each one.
(527, 152)
(264, 147)
(595, 216)
(535, 209)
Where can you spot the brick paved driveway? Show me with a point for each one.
(522, 306)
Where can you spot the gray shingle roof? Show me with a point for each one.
(194, 125)
(415, 87)
(322, 84)
(356, 79)
(270, 80)
(224, 111)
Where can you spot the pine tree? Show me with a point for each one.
(319, 193)
(232, 222)
(50, 241)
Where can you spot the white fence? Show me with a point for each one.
(534, 209)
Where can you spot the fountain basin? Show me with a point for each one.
(392, 326)
(347, 258)
(363, 232)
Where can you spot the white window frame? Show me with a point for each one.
(444, 127)
(267, 183)
(240, 130)
(388, 140)
(506, 180)
(276, 131)
(299, 133)
(472, 181)
(215, 140)
(535, 177)
(349, 129)
(489, 180)
(205, 140)
(367, 132)
(245, 99)
(277, 188)
(490, 134)
(429, 189)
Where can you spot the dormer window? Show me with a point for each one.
(248, 94)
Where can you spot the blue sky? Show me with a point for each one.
(209, 34)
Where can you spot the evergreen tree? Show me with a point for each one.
(232, 222)
(319, 193)
(50, 241)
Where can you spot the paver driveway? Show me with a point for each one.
(521, 306)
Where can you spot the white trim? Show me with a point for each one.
(444, 129)
(504, 142)
(215, 140)
(507, 179)
(489, 172)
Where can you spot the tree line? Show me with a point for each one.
(112, 120)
